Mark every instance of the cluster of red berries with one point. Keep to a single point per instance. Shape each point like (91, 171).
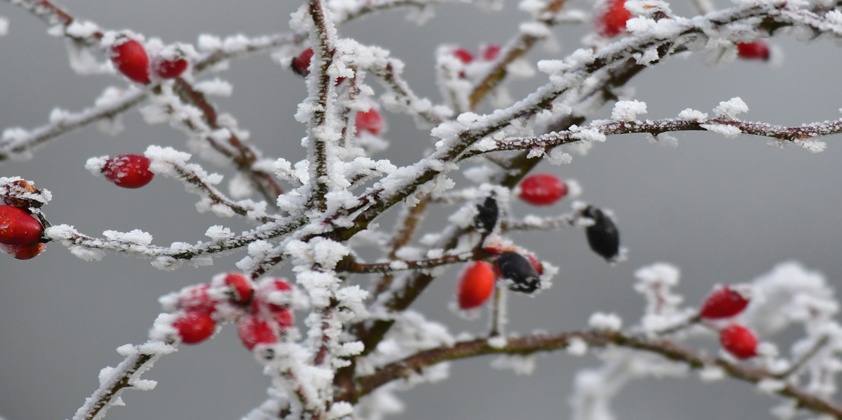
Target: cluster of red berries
(262, 311)
(128, 171)
(726, 303)
(476, 284)
(131, 59)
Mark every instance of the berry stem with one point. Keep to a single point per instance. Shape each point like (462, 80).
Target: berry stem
(806, 358)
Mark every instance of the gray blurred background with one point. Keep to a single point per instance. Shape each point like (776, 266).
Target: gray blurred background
(723, 210)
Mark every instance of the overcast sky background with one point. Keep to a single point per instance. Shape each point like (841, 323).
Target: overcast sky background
(723, 210)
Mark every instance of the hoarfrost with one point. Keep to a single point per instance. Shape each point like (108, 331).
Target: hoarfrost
(606, 322)
(628, 110)
(730, 109)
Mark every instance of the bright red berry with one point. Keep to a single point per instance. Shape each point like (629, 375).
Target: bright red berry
(130, 58)
(242, 287)
(196, 298)
(169, 68)
(253, 331)
(128, 171)
(611, 18)
(490, 52)
(723, 303)
(194, 327)
(261, 303)
(370, 121)
(757, 50)
(284, 318)
(476, 285)
(542, 189)
(739, 341)
(18, 227)
(24, 252)
(301, 64)
(464, 56)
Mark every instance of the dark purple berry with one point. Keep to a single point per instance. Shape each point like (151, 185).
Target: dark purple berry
(603, 236)
(518, 269)
(487, 214)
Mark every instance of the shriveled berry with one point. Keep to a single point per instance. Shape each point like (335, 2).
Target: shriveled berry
(542, 189)
(129, 57)
(20, 194)
(128, 171)
(196, 298)
(757, 50)
(370, 121)
(518, 269)
(18, 227)
(487, 214)
(611, 18)
(603, 236)
(490, 52)
(723, 303)
(169, 68)
(24, 252)
(739, 341)
(475, 285)
(242, 286)
(464, 56)
(194, 327)
(301, 64)
(253, 331)
(262, 304)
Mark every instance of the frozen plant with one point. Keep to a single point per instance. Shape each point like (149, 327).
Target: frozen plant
(341, 334)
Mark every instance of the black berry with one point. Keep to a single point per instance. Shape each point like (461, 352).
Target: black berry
(518, 269)
(603, 236)
(487, 214)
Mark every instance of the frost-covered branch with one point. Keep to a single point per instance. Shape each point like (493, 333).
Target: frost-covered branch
(113, 381)
(543, 343)
(18, 143)
(400, 265)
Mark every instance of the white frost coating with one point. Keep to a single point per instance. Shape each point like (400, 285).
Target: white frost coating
(216, 87)
(4, 26)
(87, 254)
(606, 322)
(577, 347)
(692, 115)
(628, 110)
(727, 131)
(664, 139)
(712, 373)
(535, 29)
(520, 365)
(559, 157)
(730, 109)
(328, 253)
(95, 164)
(163, 158)
(588, 134)
(340, 409)
(136, 236)
(219, 233)
(498, 342)
(770, 386)
(209, 42)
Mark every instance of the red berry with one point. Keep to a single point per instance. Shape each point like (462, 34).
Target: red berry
(739, 341)
(537, 264)
(253, 331)
(301, 64)
(370, 121)
(196, 298)
(284, 318)
(130, 58)
(542, 189)
(757, 50)
(194, 327)
(723, 303)
(242, 286)
(476, 285)
(611, 18)
(18, 227)
(24, 252)
(463, 56)
(490, 52)
(169, 69)
(128, 171)
(261, 305)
